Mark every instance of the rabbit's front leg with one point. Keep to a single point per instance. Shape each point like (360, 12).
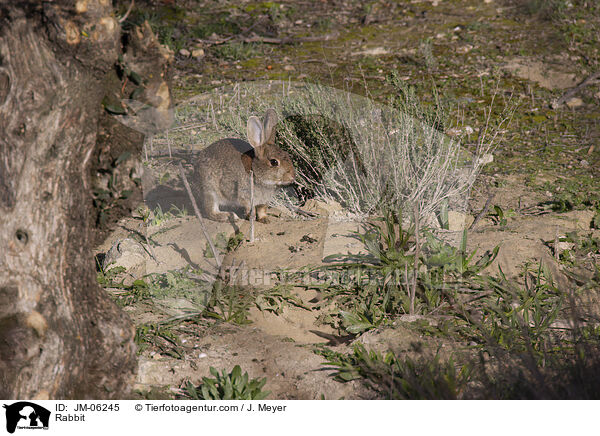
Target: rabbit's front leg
(261, 214)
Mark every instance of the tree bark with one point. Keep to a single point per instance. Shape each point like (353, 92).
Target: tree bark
(60, 334)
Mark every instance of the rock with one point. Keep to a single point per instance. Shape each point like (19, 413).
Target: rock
(375, 51)
(458, 221)
(582, 218)
(322, 207)
(198, 53)
(486, 159)
(464, 49)
(562, 246)
(129, 254)
(310, 238)
(453, 132)
(126, 252)
(541, 73)
(574, 102)
(177, 306)
(184, 52)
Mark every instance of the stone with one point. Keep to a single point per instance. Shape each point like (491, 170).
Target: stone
(322, 207)
(574, 102)
(458, 221)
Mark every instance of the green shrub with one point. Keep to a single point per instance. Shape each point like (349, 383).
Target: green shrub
(228, 386)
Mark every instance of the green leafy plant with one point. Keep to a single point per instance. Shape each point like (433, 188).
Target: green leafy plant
(573, 193)
(129, 294)
(224, 244)
(237, 51)
(443, 216)
(159, 336)
(500, 217)
(396, 378)
(229, 304)
(234, 241)
(517, 317)
(277, 298)
(372, 288)
(444, 260)
(187, 284)
(228, 386)
(596, 220)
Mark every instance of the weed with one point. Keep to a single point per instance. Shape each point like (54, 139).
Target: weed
(237, 51)
(578, 246)
(277, 298)
(234, 241)
(160, 336)
(596, 219)
(426, 52)
(545, 9)
(159, 217)
(220, 25)
(187, 284)
(518, 318)
(227, 386)
(323, 24)
(395, 378)
(367, 156)
(228, 304)
(129, 294)
(573, 193)
(224, 244)
(374, 287)
(499, 217)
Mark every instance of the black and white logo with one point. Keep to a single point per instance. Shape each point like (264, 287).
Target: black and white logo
(26, 415)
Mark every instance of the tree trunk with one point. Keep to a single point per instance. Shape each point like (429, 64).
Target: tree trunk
(60, 334)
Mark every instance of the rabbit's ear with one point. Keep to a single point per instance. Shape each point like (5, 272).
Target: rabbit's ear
(255, 132)
(269, 123)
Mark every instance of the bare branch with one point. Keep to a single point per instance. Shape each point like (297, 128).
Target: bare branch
(197, 212)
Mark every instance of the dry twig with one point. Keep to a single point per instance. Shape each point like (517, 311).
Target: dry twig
(197, 211)
(571, 92)
(252, 209)
(483, 211)
(129, 9)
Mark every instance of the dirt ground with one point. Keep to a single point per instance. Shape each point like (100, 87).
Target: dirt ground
(543, 156)
(280, 346)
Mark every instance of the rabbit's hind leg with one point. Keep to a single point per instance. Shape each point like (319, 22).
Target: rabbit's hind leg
(211, 210)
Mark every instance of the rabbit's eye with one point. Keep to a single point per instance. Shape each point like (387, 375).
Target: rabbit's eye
(274, 162)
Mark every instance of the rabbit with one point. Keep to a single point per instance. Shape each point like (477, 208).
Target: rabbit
(221, 181)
